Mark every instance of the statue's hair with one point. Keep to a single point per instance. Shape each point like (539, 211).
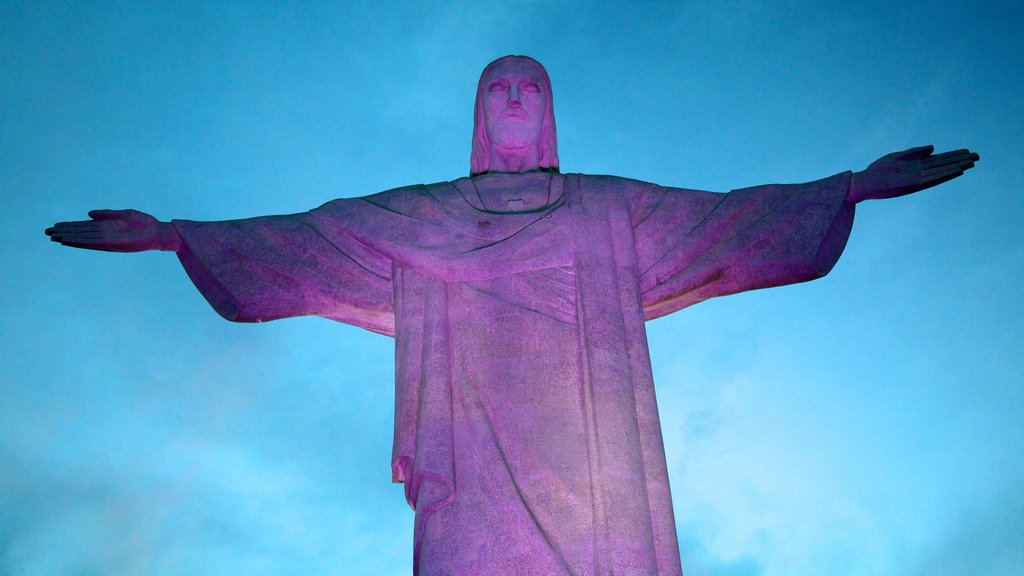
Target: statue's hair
(479, 160)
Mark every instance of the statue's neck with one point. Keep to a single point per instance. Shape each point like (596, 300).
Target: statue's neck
(513, 160)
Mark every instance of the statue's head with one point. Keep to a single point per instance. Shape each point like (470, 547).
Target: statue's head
(514, 110)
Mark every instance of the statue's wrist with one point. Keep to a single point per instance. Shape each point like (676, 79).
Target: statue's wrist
(169, 239)
(853, 195)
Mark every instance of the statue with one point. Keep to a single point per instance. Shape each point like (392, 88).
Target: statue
(526, 428)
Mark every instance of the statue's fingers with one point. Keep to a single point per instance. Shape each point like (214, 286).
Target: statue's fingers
(91, 245)
(952, 166)
(957, 157)
(938, 177)
(945, 157)
(69, 239)
(78, 225)
(57, 228)
(62, 228)
(80, 234)
(941, 171)
(76, 240)
(89, 239)
(60, 225)
(936, 180)
(958, 165)
(965, 153)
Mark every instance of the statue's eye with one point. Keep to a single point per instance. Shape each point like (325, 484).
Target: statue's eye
(498, 87)
(531, 87)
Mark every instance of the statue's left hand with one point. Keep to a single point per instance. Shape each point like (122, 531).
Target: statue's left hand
(909, 171)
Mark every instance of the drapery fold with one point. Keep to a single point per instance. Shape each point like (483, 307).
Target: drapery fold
(574, 279)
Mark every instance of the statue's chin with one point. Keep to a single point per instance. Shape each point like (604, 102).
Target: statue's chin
(514, 135)
(514, 142)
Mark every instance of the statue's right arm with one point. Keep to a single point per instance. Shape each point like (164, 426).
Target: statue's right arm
(259, 269)
(117, 231)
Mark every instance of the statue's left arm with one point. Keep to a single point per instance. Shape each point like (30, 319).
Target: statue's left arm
(693, 245)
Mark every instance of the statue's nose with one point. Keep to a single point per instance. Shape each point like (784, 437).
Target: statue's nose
(513, 97)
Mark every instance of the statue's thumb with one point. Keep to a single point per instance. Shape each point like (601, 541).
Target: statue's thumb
(108, 214)
(919, 152)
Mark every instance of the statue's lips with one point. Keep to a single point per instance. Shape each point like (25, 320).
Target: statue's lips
(514, 113)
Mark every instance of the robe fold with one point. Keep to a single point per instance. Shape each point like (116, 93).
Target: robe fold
(526, 426)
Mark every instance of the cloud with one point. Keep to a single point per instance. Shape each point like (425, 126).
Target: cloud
(699, 560)
(237, 511)
(983, 541)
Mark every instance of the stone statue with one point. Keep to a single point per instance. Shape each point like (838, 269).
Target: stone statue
(526, 427)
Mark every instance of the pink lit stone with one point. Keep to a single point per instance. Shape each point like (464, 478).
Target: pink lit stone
(526, 426)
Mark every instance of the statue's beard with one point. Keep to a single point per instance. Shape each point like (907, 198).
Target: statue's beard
(514, 136)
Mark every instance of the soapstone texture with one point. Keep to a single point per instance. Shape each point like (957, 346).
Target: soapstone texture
(526, 427)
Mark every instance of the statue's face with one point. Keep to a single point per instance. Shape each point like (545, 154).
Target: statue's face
(514, 104)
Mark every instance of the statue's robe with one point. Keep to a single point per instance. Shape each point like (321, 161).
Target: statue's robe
(526, 427)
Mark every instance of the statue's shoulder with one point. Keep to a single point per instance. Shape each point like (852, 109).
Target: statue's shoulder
(605, 181)
(405, 192)
(415, 199)
(613, 186)
(396, 200)
(451, 187)
(412, 193)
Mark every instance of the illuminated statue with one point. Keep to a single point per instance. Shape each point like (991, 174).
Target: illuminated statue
(526, 427)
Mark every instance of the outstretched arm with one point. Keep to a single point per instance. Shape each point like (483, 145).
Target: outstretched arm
(117, 231)
(694, 245)
(907, 172)
(256, 269)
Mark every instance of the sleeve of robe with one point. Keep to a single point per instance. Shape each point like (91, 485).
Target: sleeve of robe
(693, 245)
(260, 269)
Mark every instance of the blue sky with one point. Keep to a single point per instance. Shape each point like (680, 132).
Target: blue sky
(865, 423)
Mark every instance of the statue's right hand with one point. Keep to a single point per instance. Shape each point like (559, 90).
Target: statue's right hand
(117, 231)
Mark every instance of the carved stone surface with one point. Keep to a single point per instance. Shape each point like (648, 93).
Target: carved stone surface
(526, 425)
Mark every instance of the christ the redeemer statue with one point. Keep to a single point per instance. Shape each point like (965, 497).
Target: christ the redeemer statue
(526, 427)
